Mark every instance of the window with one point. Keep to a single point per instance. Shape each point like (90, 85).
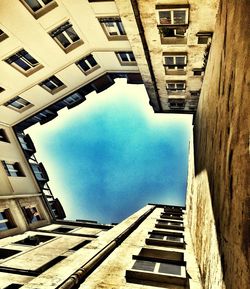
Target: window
(88, 64)
(66, 37)
(1, 89)
(31, 214)
(3, 135)
(3, 35)
(52, 84)
(166, 237)
(6, 221)
(13, 286)
(173, 17)
(18, 103)
(39, 7)
(155, 271)
(62, 230)
(13, 169)
(176, 103)
(195, 93)
(113, 28)
(35, 240)
(198, 71)
(204, 37)
(126, 58)
(6, 253)
(24, 62)
(74, 99)
(175, 64)
(38, 172)
(176, 85)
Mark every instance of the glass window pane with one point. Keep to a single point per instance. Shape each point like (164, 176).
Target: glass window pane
(180, 60)
(131, 55)
(144, 265)
(28, 57)
(120, 28)
(91, 60)
(123, 56)
(157, 236)
(56, 80)
(165, 17)
(169, 60)
(46, 1)
(179, 16)
(22, 64)
(83, 65)
(72, 34)
(33, 4)
(3, 226)
(180, 86)
(63, 40)
(171, 86)
(173, 238)
(170, 269)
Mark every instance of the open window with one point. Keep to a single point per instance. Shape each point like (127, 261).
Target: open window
(113, 28)
(13, 169)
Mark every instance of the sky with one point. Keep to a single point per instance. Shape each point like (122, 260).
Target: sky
(111, 155)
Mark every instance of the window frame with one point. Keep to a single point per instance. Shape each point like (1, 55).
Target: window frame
(32, 67)
(8, 221)
(4, 136)
(115, 19)
(72, 44)
(86, 61)
(37, 215)
(13, 169)
(53, 82)
(176, 83)
(45, 8)
(171, 10)
(129, 62)
(3, 35)
(18, 100)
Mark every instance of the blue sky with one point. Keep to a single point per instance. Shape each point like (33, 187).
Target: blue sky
(112, 155)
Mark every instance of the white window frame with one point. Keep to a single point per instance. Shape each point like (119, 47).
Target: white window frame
(157, 267)
(175, 66)
(113, 28)
(129, 60)
(175, 83)
(172, 15)
(19, 101)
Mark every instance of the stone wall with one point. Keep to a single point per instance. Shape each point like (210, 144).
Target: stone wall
(221, 139)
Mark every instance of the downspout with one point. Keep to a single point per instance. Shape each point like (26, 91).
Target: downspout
(146, 50)
(82, 273)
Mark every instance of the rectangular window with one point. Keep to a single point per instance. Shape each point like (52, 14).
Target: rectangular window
(3, 35)
(38, 172)
(35, 240)
(113, 28)
(175, 64)
(6, 220)
(3, 136)
(176, 86)
(173, 17)
(39, 7)
(52, 84)
(24, 62)
(198, 71)
(13, 169)
(18, 103)
(66, 37)
(166, 237)
(126, 58)
(88, 64)
(195, 93)
(204, 37)
(31, 214)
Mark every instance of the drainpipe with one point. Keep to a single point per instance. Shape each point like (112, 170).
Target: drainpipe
(82, 273)
(146, 51)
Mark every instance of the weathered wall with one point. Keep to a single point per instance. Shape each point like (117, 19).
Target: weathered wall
(221, 144)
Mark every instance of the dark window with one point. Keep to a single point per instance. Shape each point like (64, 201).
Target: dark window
(3, 135)
(170, 269)
(87, 63)
(62, 230)
(32, 215)
(35, 5)
(6, 253)
(3, 35)
(144, 265)
(197, 71)
(18, 103)
(6, 220)
(113, 27)
(65, 35)
(23, 60)
(52, 84)
(34, 240)
(156, 236)
(13, 169)
(1, 89)
(13, 286)
(126, 56)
